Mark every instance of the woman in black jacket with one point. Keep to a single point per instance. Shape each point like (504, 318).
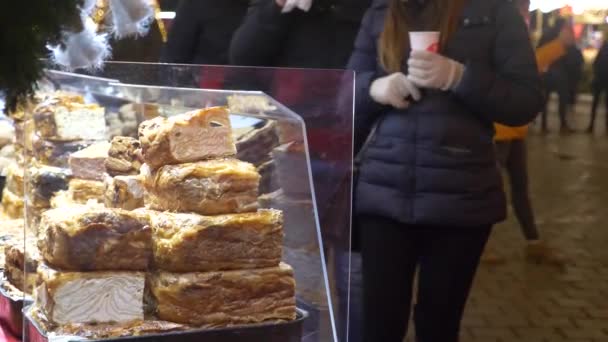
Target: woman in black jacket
(429, 190)
(600, 84)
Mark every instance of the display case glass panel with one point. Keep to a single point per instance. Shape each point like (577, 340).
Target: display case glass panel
(201, 257)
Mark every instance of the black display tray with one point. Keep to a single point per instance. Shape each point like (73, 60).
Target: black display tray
(11, 310)
(275, 332)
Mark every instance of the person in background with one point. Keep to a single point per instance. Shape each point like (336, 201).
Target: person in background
(319, 37)
(429, 188)
(559, 78)
(511, 151)
(600, 84)
(202, 30)
(141, 49)
(574, 62)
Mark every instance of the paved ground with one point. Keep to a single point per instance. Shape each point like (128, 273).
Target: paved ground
(518, 301)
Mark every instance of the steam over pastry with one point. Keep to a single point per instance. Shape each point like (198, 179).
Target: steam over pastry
(225, 297)
(90, 297)
(193, 243)
(198, 135)
(211, 187)
(84, 238)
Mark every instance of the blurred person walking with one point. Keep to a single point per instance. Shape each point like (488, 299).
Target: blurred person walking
(600, 85)
(512, 155)
(574, 62)
(560, 77)
(429, 188)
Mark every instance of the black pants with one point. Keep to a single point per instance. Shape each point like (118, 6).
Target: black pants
(555, 83)
(599, 90)
(447, 259)
(513, 156)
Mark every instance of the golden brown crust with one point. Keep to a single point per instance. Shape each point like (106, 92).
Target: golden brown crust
(83, 190)
(44, 115)
(89, 163)
(125, 192)
(225, 297)
(12, 205)
(82, 238)
(197, 135)
(124, 157)
(22, 260)
(15, 179)
(194, 243)
(211, 187)
(56, 153)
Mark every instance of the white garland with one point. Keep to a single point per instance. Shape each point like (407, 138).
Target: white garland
(89, 49)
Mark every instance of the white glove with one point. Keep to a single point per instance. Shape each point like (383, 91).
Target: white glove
(431, 70)
(394, 90)
(290, 5)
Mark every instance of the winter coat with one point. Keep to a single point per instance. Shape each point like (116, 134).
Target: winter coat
(434, 163)
(545, 56)
(320, 38)
(202, 31)
(600, 66)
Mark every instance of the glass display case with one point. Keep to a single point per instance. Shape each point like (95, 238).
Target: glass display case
(192, 201)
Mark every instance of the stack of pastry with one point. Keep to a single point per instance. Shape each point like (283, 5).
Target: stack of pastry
(95, 261)
(123, 186)
(61, 125)
(217, 257)
(255, 146)
(88, 170)
(12, 195)
(200, 254)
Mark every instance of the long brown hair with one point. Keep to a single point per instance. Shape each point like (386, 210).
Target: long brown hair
(394, 39)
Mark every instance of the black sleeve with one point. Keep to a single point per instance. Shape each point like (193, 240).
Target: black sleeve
(184, 33)
(259, 38)
(364, 62)
(507, 91)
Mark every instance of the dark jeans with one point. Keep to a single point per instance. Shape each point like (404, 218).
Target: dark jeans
(513, 156)
(599, 90)
(447, 259)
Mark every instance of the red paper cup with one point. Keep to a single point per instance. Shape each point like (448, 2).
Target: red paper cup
(425, 41)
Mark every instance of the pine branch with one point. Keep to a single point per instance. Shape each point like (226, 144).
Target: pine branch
(26, 27)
